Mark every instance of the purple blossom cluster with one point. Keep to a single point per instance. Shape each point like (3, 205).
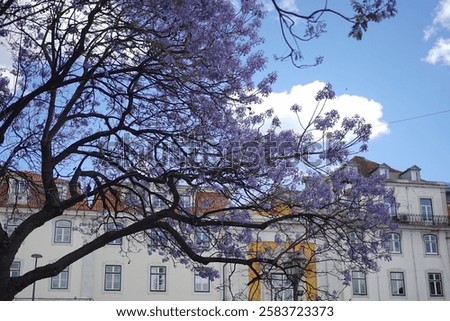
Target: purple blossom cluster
(5, 93)
(326, 93)
(160, 98)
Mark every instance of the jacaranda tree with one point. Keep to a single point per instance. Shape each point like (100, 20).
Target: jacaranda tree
(134, 103)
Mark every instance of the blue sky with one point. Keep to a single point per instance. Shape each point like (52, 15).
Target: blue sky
(400, 70)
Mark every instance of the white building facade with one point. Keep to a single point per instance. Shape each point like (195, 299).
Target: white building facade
(419, 269)
(420, 246)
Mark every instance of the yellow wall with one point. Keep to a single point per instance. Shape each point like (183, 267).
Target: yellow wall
(255, 286)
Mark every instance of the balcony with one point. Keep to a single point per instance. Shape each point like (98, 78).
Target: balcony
(420, 220)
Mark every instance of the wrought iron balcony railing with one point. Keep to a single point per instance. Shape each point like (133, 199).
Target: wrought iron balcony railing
(417, 219)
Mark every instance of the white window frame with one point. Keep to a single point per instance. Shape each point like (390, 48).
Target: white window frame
(384, 171)
(112, 226)
(201, 238)
(63, 234)
(431, 244)
(63, 190)
(14, 270)
(395, 243)
(390, 205)
(12, 224)
(435, 284)
(281, 287)
(359, 283)
(397, 279)
(18, 191)
(201, 284)
(426, 210)
(158, 237)
(185, 202)
(158, 279)
(60, 281)
(113, 278)
(158, 202)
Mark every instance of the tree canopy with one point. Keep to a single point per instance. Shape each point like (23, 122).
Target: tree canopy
(133, 103)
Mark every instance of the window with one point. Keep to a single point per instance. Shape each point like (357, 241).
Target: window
(158, 278)
(391, 207)
(158, 202)
(397, 284)
(63, 229)
(426, 209)
(14, 270)
(18, 191)
(201, 239)
(201, 283)
(158, 237)
(63, 190)
(61, 281)
(359, 283)
(431, 244)
(114, 227)
(185, 202)
(384, 171)
(352, 167)
(113, 276)
(435, 283)
(19, 187)
(282, 289)
(395, 245)
(12, 224)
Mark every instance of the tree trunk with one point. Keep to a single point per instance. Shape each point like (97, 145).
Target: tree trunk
(6, 291)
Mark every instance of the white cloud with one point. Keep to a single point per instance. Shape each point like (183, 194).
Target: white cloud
(304, 96)
(439, 53)
(289, 5)
(441, 19)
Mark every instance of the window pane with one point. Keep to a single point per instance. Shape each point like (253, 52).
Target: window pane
(426, 209)
(431, 244)
(185, 201)
(113, 274)
(359, 283)
(63, 231)
(397, 283)
(201, 284)
(12, 224)
(201, 239)
(389, 203)
(158, 278)
(435, 284)
(14, 270)
(394, 243)
(282, 289)
(61, 281)
(114, 227)
(158, 237)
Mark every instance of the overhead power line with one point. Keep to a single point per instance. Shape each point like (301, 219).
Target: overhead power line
(420, 116)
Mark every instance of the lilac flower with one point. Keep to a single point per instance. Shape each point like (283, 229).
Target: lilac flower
(327, 121)
(164, 102)
(326, 93)
(276, 122)
(296, 108)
